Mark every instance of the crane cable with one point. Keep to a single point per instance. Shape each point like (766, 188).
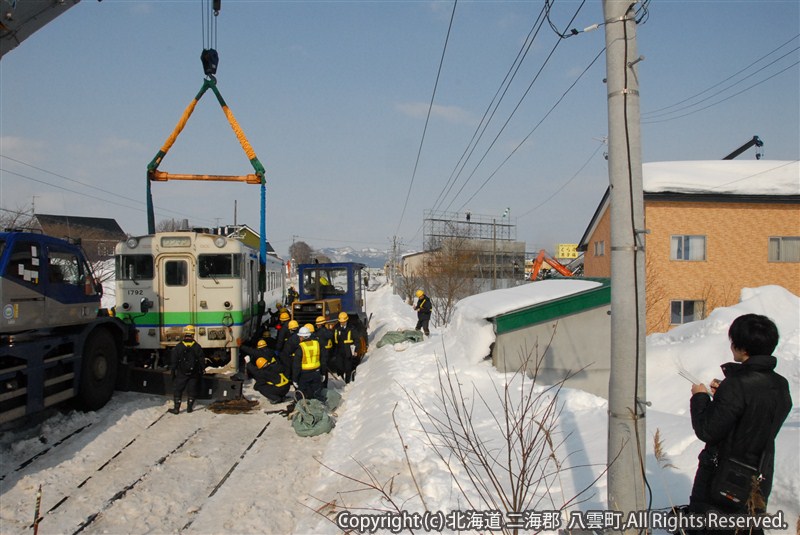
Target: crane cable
(209, 56)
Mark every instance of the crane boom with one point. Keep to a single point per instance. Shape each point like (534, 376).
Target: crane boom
(755, 141)
(21, 19)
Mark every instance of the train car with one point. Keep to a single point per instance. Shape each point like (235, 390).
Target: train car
(168, 280)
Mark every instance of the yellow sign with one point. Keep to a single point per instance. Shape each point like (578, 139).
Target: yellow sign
(567, 250)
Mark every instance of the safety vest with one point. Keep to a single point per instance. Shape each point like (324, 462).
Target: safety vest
(310, 354)
(282, 382)
(349, 339)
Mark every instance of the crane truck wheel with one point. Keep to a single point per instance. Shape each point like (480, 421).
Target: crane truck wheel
(98, 370)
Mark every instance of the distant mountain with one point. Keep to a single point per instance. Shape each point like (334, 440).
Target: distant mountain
(373, 258)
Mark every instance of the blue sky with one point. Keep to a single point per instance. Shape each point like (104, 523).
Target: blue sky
(333, 97)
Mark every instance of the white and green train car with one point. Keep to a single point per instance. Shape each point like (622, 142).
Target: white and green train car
(169, 280)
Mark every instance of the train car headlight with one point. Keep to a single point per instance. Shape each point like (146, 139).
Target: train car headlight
(132, 243)
(220, 241)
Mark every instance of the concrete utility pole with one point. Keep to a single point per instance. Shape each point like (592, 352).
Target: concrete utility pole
(626, 389)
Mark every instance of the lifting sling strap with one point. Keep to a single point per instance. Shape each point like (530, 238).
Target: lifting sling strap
(159, 176)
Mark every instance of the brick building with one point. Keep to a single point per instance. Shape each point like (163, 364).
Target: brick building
(715, 227)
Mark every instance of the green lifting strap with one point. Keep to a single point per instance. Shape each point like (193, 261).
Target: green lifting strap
(153, 174)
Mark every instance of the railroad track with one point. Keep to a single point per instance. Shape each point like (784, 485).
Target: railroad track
(129, 485)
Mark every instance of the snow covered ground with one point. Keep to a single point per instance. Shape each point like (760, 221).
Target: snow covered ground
(133, 468)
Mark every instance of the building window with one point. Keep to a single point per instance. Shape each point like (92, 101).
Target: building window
(685, 311)
(784, 249)
(599, 248)
(692, 248)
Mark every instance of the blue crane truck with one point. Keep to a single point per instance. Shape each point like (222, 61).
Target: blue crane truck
(56, 343)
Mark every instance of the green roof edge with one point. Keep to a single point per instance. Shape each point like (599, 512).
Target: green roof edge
(557, 308)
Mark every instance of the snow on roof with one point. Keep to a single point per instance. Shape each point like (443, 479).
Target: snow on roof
(724, 177)
(498, 302)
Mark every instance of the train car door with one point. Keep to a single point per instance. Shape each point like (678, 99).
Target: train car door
(177, 296)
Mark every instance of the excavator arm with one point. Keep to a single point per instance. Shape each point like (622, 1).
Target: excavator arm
(552, 262)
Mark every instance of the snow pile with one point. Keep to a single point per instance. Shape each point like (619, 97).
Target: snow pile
(282, 483)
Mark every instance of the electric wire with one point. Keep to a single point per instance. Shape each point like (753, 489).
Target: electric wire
(651, 112)
(525, 139)
(724, 99)
(484, 122)
(513, 112)
(427, 118)
(556, 192)
(161, 210)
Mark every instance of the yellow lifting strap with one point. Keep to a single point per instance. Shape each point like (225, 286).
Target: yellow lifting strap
(153, 175)
(237, 130)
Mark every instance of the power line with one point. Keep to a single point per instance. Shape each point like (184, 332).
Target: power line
(513, 112)
(525, 139)
(427, 118)
(724, 99)
(556, 192)
(484, 122)
(162, 210)
(722, 81)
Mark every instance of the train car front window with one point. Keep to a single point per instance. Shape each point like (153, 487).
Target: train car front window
(176, 273)
(134, 267)
(220, 266)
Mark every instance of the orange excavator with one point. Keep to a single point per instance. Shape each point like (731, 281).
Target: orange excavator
(552, 262)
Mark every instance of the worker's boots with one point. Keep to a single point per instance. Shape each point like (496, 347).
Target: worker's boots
(177, 407)
(189, 405)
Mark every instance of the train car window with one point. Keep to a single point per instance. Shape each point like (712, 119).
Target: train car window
(176, 273)
(134, 267)
(220, 266)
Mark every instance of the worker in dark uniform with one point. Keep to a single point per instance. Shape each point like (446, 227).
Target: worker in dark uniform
(324, 333)
(187, 367)
(270, 378)
(289, 345)
(306, 363)
(344, 341)
(283, 330)
(291, 296)
(423, 308)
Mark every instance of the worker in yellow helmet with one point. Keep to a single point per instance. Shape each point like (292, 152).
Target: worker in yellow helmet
(324, 333)
(270, 378)
(290, 344)
(344, 341)
(306, 363)
(187, 367)
(423, 307)
(283, 330)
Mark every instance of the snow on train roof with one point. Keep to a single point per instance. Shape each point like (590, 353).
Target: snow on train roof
(728, 177)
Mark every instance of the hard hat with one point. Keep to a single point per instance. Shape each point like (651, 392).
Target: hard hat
(324, 281)
(261, 362)
(293, 325)
(261, 343)
(420, 293)
(320, 320)
(309, 327)
(343, 317)
(284, 316)
(189, 329)
(303, 332)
